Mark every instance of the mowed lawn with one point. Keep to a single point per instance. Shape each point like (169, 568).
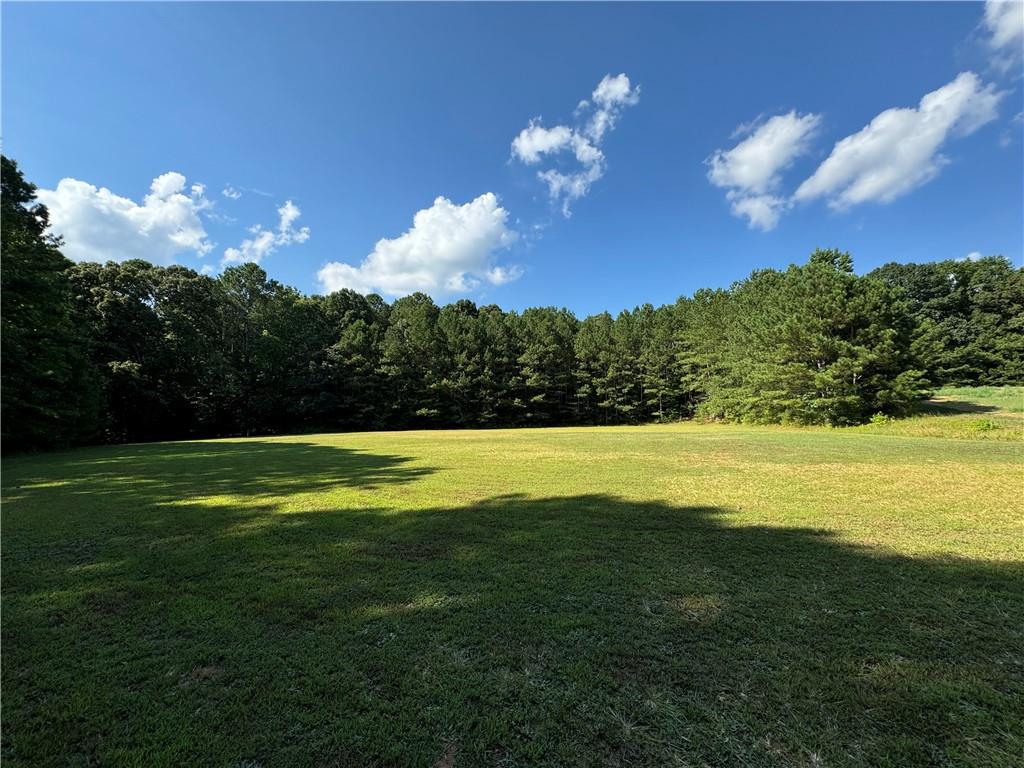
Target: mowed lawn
(693, 595)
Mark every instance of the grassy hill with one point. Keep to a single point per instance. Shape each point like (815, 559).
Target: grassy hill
(665, 595)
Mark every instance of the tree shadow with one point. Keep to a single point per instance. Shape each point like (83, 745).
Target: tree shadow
(170, 472)
(576, 630)
(950, 406)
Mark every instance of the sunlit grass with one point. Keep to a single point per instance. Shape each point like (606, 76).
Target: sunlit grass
(673, 594)
(964, 413)
(1003, 399)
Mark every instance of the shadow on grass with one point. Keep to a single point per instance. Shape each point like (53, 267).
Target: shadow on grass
(170, 472)
(577, 630)
(945, 406)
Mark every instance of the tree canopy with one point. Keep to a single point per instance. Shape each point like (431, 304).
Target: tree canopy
(132, 352)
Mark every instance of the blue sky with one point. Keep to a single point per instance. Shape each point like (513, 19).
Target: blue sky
(364, 115)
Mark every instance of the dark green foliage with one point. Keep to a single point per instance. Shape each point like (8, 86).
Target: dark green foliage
(345, 385)
(413, 361)
(970, 316)
(135, 352)
(500, 384)
(814, 345)
(547, 361)
(48, 396)
(125, 342)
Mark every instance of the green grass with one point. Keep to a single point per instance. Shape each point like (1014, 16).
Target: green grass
(1008, 399)
(971, 413)
(693, 595)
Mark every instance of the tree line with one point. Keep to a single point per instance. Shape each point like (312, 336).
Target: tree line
(132, 352)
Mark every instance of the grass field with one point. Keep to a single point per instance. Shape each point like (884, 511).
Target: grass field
(979, 413)
(692, 595)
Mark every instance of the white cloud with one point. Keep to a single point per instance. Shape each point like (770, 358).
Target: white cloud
(98, 225)
(748, 127)
(449, 249)
(973, 256)
(761, 211)
(230, 192)
(502, 275)
(535, 142)
(1004, 21)
(289, 212)
(898, 150)
(755, 163)
(611, 96)
(253, 249)
(751, 171)
(167, 184)
(571, 186)
(265, 241)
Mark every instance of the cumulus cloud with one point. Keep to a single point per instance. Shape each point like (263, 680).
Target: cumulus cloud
(898, 150)
(230, 192)
(98, 225)
(751, 171)
(535, 140)
(265, 241)
(1004, 22)
(595, 117)
(450, 248)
